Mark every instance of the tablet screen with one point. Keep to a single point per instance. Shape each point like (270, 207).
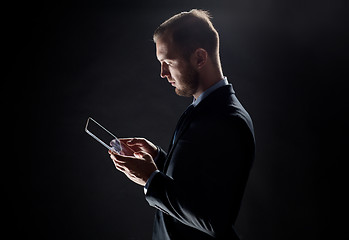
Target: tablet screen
(102, 135)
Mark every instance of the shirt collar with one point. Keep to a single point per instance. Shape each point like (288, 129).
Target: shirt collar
(208, 91)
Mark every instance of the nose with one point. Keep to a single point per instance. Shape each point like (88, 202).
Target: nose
(164, 70)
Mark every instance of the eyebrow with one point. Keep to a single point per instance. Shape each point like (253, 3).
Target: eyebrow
(160, 56)
(162, 59)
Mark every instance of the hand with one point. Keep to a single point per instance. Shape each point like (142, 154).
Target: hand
(133, 145)
(137, 168)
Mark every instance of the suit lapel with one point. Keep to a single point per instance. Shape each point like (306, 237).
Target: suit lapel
(213, 98)
(181, 129)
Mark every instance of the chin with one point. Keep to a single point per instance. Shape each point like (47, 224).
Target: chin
(183, 93)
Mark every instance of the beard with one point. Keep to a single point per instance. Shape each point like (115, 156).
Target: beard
(189, 84)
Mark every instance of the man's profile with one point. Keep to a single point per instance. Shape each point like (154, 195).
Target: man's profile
(197, 185)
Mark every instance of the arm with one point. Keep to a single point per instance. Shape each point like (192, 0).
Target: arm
(204, 183)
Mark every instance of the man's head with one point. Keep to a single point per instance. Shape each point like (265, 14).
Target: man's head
(190, 31)
(185, 45)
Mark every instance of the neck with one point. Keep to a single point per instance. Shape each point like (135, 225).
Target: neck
(207, 79)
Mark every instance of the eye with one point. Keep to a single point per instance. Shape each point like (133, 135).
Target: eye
(169, 63)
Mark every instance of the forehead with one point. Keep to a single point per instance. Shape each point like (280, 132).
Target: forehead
(165, 49)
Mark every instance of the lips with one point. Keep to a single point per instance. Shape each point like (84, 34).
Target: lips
(172, 82)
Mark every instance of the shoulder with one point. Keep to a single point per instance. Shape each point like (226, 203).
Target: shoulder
(221, 123)
(222, 109)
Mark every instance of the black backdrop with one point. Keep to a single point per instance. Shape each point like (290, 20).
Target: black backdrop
(70, 60)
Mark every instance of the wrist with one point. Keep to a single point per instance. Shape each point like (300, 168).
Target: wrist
(146, 186)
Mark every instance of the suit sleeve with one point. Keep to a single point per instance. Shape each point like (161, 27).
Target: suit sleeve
(208, 172)
(160, 158)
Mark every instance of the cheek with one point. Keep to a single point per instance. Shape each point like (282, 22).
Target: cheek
(175, 74)
(178, 72)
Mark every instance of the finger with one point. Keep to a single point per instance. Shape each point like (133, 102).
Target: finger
(126, 150)
(111, 151)
(118, 158)
(125, 139)
(141, 154)
(136, 141)
(114, 142)
(123, 158)
(119, 167)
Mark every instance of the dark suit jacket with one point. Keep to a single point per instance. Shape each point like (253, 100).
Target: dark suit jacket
(200, 185)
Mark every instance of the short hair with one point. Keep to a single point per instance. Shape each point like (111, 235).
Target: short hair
(190, 31)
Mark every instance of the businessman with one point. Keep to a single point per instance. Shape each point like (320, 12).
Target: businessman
(197, 186)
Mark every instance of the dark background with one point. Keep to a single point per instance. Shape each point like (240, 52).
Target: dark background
(66, 61)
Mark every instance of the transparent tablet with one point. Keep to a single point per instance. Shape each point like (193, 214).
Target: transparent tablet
(102, 135)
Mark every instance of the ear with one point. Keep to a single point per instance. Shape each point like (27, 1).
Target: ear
(199, 58)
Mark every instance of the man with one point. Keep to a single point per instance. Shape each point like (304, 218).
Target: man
(197, 186)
